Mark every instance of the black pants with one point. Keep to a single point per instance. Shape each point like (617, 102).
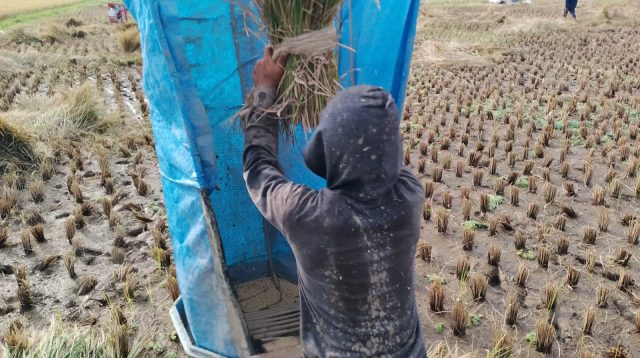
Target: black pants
(570, 11)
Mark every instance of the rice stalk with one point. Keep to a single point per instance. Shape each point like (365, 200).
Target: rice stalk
(459, 320)
(309, 81)
(436, 296)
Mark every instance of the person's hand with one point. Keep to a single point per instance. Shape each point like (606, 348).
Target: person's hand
(268, 71)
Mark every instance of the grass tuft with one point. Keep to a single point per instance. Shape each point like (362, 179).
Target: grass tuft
(436, 296)
(16, 145)
(459, 319)
(128, 39)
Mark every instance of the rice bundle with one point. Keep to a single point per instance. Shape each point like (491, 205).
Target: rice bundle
(311, 74)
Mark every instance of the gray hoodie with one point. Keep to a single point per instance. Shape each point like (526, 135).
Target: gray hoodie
(354, 242)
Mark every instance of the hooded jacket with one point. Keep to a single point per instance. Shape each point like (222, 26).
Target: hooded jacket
(355, 241)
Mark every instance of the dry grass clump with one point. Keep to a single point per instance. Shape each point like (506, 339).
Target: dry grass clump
(493, 256)
(562, 247)
(478, 286)
(76, 191)
(515, 195)
(78, 218)
(590, 261)
(25, 239)
(519, 240)
(616, 352)
(70, 228)
(546, 335)
(16, 145)
(460, 165)
(174, 290)
(633, 234)
(47, 261)
(602, 295)
(533, 184)
(69, 115)
(623, 257)
(48, 170)
(72, 22)
(573, 276)
(549, 192)
(106, 205)
(4, 236)
(87, 208)
(568, 211)
(69, 264)
(589, 235)
(31, 216)
(468, 236)
(462, 268)
(8, 200)
(603, 220)
(569, 189)
(24, 290)
(503, 347)
(459, 319)
(478, 174)
(442, 219)
(131, 284)
(598, 195)
(484, 202)
(522, 275)
(499, 185)
(624, 280)
(543, 256)
(162, 257)
(423, 250)
(589, 319)
(123, 272)
(36, 189)
(561, 222)
(511, 313)
(21, 36)
(119, 234)
(87, 284)
(60, 339)
(437, 174)
(447, 199)
(37, 232)
(429, 187)
(533, 209)
(549, 296)
(466, 209)
(426, 211)
(436, 296)
(588, 174)
(117, 255)
(16, 339)
(128, 38)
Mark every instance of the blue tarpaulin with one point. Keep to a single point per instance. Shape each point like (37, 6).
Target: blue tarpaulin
(198, 57)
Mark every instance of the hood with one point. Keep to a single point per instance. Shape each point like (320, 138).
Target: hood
(357, 146)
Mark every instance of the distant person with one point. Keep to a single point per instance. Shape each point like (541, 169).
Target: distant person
(111, 14)
(570, 7)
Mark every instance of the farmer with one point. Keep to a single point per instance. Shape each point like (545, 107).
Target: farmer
(570, 7)
(355, 241)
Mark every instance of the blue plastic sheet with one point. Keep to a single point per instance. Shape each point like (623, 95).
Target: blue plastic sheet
(198, 57)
